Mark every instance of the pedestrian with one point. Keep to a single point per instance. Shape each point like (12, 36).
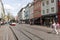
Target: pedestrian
(0, 23)
(58, 26)
(54, 25)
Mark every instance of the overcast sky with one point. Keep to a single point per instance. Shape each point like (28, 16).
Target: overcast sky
(13, 6)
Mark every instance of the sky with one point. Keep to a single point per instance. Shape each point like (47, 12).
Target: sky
(13, 6)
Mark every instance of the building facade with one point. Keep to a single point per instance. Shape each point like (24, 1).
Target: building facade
(37, 11)
(58, 11)
(23, 14)
(2, 11)
(20, 16)
(27, 13)
(49, 11)
(31, 13)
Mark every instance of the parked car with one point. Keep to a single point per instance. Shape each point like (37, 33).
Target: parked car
(13, 24)
(2, 23)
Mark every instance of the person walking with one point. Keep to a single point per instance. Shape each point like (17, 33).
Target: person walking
(58, 26)
(0, 24)
(54, 25)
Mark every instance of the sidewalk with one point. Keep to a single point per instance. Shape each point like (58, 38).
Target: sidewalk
(1, 33)
(6, 33)
(44, 27)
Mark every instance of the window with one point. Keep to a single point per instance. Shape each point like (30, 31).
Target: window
(43, 11)
(52, 1)
(52, 9)
(47, 2)
(43, 4)
(47, 10)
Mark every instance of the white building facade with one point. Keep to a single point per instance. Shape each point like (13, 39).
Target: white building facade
(23, 14)
(49, 11)
(48, 7)
(0, 9)
(27, 13)
(19, 16)
(31, 11)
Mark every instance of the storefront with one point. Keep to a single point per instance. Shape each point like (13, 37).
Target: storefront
(31, 21)
(37, 21)
(48, 18)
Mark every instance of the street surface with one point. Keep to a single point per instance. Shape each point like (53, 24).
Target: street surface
(6, 33)
(27, 32)
(34, 32)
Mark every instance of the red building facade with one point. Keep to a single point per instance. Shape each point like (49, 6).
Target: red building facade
(37, 8)
(37, 11)
(59, 11)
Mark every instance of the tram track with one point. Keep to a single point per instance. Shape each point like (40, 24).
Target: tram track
(16, 38)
